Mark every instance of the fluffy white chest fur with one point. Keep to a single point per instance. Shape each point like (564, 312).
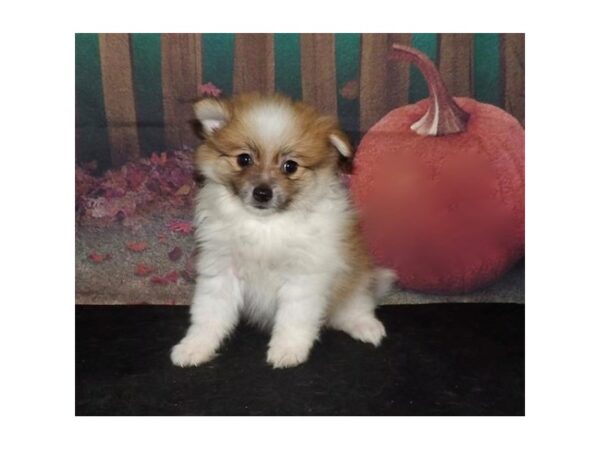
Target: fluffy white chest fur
(263, 254)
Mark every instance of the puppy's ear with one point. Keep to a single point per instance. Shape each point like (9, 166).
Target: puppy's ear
(341, 143)
(212, 114)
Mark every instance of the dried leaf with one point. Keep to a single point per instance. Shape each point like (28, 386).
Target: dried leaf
(135, 176)
(181, 226)
(142, 270)
(137, 246)
(209, 90)
(184, 190)
(170, 277)
(97, 258)
(158, 160)
(175, 254)
(350, 90)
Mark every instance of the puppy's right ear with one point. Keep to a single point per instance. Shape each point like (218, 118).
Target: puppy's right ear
(212, 114)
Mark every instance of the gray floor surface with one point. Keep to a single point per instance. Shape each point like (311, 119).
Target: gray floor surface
(113, 281)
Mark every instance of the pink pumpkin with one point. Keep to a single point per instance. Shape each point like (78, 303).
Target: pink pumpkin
(440, 188)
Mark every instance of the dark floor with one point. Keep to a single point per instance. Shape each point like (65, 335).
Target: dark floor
(443, 359)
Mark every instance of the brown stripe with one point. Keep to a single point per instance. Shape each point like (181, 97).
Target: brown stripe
(181, 74)
(383, 83)
(318, 72)
(513, 49)
(117, 82)
(254, 67)
(456, 63)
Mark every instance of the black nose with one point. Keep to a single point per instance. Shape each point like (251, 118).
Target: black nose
(262, 193)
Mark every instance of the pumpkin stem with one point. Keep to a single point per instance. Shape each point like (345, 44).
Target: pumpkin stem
(443, 116)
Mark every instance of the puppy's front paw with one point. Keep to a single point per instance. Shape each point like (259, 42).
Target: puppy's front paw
(191, 352)
(366, 329)
(286, 353)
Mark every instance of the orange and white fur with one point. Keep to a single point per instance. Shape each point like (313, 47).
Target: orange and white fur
(279, 240)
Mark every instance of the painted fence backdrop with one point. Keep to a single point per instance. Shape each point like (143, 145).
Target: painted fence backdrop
(134, 91)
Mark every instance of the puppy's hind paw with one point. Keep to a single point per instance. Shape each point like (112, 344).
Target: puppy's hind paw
(191, 352)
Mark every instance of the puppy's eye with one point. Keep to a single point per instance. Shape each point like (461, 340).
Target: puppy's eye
(290, 167)
(244, 160)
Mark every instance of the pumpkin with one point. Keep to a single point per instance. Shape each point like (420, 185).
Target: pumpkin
(439, 186)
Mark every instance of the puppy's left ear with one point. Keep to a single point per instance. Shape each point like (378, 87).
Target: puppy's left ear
(341, 143)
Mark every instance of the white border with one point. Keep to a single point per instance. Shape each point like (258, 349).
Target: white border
(562, 224)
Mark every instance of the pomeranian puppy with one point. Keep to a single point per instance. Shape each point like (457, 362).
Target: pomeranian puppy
(279, 240)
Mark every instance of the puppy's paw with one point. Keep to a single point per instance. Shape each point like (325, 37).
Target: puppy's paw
(366, 329)
(191, 352)
(287, 353)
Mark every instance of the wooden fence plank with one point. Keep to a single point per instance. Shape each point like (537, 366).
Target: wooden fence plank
(456, 63)
(117, 81)
(254, 67)
(181, 74)
(383, 83)
(513, 49)
(318, 72)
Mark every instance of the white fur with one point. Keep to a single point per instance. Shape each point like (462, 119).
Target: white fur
(273, 123)
(275, 268)
(276, 271)
(210, 125)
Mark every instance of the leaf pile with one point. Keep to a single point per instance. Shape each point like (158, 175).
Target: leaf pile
(161, 183)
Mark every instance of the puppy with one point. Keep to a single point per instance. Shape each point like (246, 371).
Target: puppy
(279, 240)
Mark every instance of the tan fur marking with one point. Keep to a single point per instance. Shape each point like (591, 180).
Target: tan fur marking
(307, 143)
(360, 270)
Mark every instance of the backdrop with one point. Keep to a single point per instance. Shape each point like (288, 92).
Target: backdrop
(134, 91)
(135, 132)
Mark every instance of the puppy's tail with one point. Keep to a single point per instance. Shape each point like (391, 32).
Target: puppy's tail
(382, 281)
